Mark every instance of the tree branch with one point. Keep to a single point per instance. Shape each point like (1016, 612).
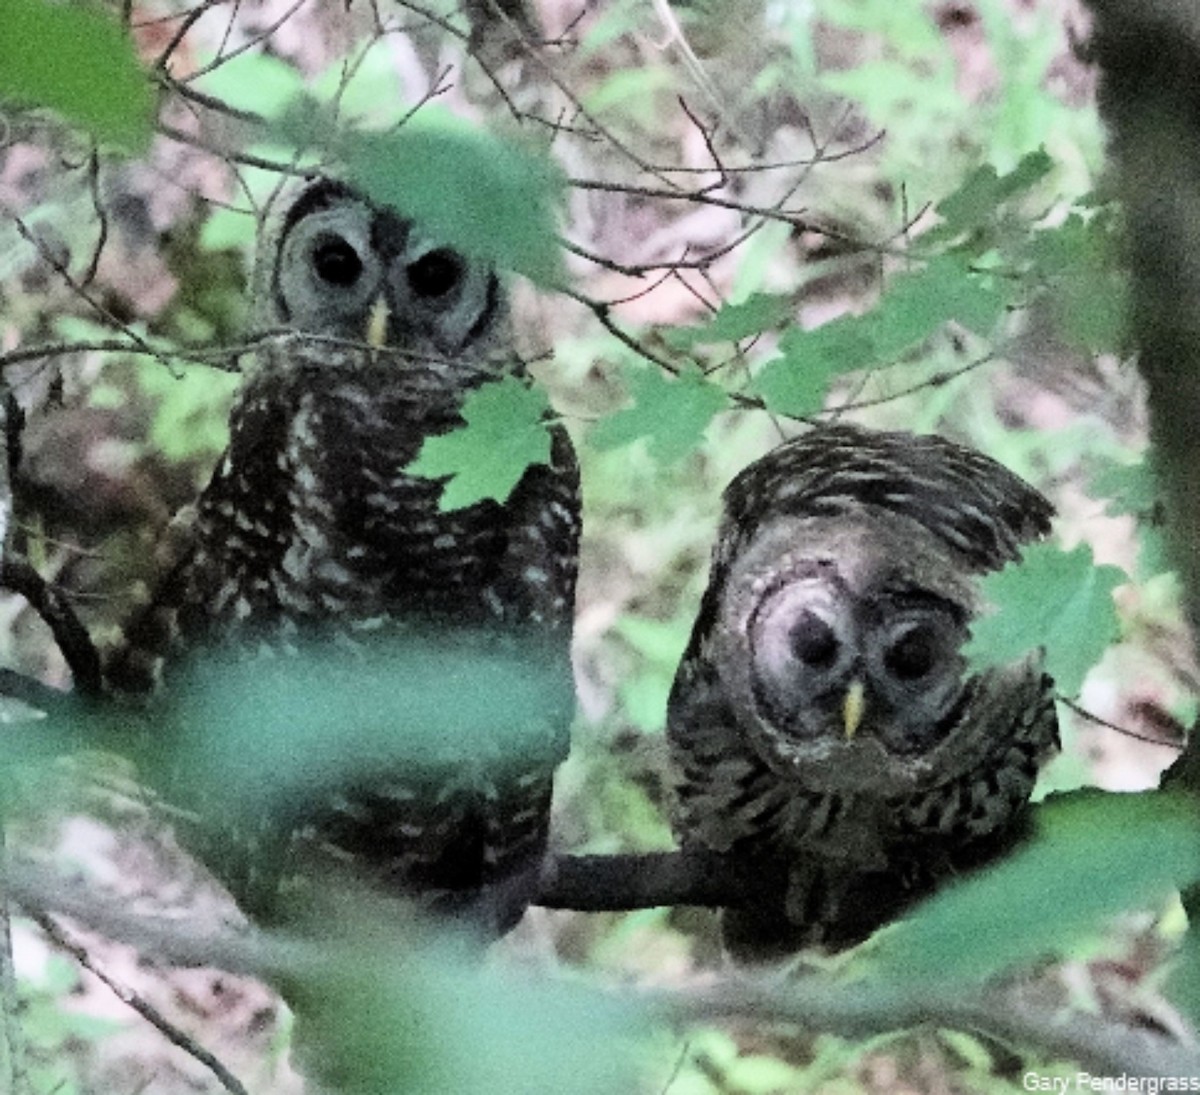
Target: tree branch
(1149, 54)
(69, 633)
(816, 1002)
(609, 883)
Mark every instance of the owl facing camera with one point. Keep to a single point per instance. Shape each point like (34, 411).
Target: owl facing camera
(823, 723)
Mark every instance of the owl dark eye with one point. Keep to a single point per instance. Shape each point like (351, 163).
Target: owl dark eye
(435, 274)
(913, 655)
(336, 262)
(814, 642)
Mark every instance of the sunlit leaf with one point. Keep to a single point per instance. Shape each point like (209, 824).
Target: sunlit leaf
(505, 433)
(1092, 855)
(78, 62)
(669, 414)
(1052, 598)
(255, 81)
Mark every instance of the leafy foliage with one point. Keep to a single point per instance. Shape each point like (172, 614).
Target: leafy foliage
(914, 306)
(1092, 855)
(488, 197)
(79, 63)
(1051, 598)
(385, 1012)
(670, 415)
(504, 432)
(969, 232)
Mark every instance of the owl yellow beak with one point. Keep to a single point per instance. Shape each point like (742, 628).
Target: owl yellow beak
(853, 707)
(377, 323)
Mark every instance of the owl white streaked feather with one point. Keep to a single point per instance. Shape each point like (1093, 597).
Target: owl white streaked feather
(311, 531)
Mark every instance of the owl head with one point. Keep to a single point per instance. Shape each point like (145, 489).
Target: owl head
(332, 263)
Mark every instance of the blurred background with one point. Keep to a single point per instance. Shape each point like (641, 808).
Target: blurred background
(717, 149)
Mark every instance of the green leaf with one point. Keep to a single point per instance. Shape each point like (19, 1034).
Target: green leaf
(733, 322)
(671, 415)
(983, 191)
(388, 1011)
(1052, 598)
(259, 82)
(78, 62)
(505, 432)
(488, 197)
(1092, 855)
(253, 734)
(1129, 488)
(796, 382)
(915, 305)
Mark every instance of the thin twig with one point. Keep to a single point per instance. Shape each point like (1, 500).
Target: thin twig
(72, 637)
(10, 1005)
(1084, 713)
(140, 1004)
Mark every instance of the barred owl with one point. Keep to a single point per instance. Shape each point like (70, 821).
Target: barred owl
(310, 530)
(822, 724)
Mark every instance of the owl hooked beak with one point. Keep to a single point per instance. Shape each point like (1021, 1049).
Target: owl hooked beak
(377, 323)
(853, 707)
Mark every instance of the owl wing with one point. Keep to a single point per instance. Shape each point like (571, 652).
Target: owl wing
(210, 553)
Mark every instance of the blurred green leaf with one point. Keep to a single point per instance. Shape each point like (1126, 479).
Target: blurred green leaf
(1051, 598)
(253, 732)
(191, 416)
(78, 62)
(488, 197)
(670, 414)
(660, 643)
(1092, 855)
(388, 1013)
(256, 82)
(1129, 488)
(505, 433)
(1184, 979)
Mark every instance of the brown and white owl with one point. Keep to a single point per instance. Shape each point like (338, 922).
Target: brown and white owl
(311, 534)
(823, 725)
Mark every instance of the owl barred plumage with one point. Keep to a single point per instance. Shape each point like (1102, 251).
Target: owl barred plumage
(821, 722)
(310, 529)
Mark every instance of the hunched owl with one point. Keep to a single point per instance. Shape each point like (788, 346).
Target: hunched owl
(310, 530)
(822, 726)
